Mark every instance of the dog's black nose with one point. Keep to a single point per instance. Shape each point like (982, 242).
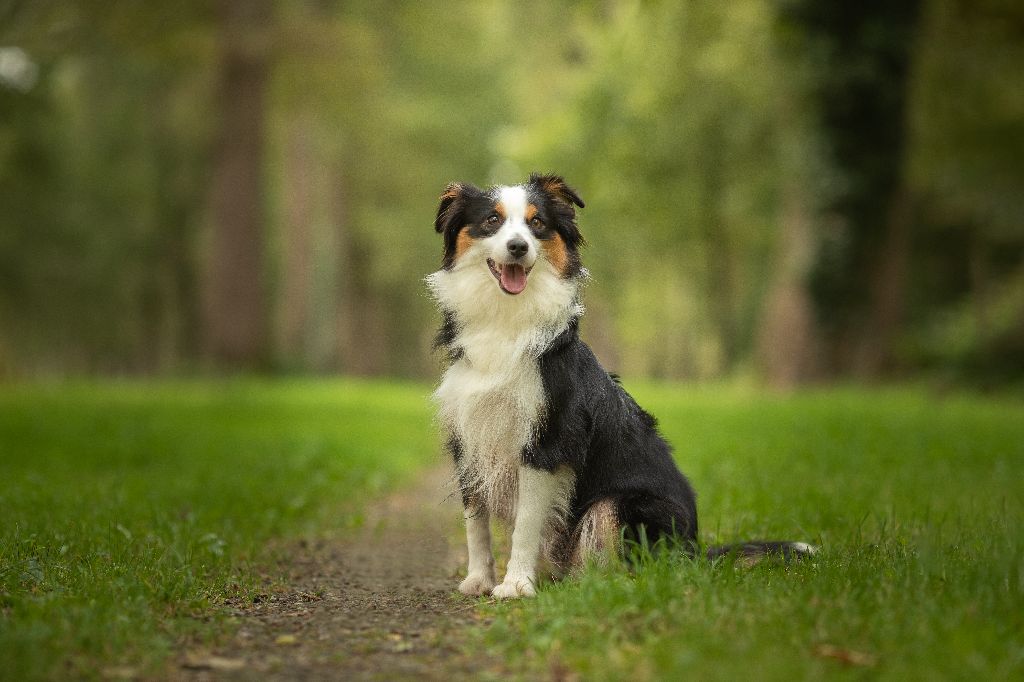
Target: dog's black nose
(518, 247)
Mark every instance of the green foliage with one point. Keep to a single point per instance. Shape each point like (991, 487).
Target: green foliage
(915, 502)
(390, 122)
(129, 511)
(968, 147)
(692, 130)
(102, 164)
(966, 166)
(667, 117)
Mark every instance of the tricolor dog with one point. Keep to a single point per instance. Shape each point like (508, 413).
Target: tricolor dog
(542, 436)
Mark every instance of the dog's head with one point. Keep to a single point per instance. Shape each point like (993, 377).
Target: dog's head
(511, 230)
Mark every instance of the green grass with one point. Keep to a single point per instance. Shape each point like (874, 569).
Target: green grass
(128, 511)
(918, 505)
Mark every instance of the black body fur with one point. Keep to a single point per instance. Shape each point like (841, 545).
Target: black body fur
(593, 426)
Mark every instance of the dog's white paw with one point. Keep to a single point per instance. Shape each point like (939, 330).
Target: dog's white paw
(513, 588)
(477, 584)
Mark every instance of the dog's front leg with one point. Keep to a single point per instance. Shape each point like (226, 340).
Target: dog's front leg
(538, 493)
(480, 578)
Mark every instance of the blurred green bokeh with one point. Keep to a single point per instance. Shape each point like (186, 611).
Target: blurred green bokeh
(792, 189)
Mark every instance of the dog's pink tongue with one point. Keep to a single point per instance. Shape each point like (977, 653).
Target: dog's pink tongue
(513, 278)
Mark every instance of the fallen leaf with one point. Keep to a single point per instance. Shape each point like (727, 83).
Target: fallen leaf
(847, 656)
(286, 640)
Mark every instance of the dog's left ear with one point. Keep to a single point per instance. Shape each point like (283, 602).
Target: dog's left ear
(564, 202)
(555, 186)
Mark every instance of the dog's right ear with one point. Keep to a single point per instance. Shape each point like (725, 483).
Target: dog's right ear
(453, 202)
(451, 216)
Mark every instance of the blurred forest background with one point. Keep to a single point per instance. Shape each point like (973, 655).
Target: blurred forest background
(797, 190)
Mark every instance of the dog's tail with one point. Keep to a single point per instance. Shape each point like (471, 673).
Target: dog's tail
(755, 550)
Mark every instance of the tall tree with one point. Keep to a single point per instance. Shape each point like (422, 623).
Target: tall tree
(236, 320)
(864, 54)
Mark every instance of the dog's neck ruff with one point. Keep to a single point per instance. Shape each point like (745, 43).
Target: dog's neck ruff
(496, 331)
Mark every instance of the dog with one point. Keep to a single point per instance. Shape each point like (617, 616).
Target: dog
(541, 435)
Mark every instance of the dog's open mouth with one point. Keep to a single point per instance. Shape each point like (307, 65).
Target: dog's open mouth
(511, 276)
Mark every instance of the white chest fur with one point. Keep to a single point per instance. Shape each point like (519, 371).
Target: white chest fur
(492, 398)
(494, 410)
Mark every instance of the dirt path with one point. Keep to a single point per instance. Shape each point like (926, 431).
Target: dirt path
(379, 604)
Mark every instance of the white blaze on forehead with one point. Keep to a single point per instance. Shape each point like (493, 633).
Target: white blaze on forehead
(514, 201)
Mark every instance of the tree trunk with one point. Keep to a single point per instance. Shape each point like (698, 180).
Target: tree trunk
(346, 313)
(236, 316)
(298, 243)
(863, 63)
(720, 261)
(980, 286)
(887, 294)
(787, 340)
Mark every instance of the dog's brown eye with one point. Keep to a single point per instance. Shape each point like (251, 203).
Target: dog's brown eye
(536, 223)
(493, 219)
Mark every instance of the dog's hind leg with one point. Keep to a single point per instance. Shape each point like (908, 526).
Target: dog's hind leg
(480, 577)
(598, 535)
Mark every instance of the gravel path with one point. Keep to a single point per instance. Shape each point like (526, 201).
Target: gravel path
(379, 604)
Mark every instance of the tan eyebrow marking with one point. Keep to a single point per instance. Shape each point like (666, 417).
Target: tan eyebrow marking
(531, 211)
(499, 208)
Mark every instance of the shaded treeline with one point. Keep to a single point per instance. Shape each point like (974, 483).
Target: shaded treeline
(800, 189)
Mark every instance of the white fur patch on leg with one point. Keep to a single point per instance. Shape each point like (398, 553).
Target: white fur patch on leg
(542, 497)
(804, 548)
(480, 577)
(597, 535)
(512, 588)
(474, 585)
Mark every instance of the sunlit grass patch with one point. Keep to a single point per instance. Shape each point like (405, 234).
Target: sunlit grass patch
(918, 506)
(127, 509)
